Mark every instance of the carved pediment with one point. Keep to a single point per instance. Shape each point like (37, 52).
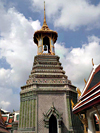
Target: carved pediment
(50, 112)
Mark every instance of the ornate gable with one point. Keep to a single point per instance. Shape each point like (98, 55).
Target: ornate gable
(91, 92)
(93, 81)
(50, 112)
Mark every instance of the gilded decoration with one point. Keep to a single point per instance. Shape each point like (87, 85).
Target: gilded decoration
(39, 36)
(79, 92)
(83, 119)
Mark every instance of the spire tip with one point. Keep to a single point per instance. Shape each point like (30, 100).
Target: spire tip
(44, 14)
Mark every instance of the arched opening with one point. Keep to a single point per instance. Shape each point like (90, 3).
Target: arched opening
(46, 44)
(52, 124)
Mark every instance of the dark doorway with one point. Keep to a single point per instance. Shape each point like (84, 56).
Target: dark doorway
(52, 124)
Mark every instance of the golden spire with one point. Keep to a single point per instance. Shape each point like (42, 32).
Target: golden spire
(45, 26)
(44, 23)
(44, 29)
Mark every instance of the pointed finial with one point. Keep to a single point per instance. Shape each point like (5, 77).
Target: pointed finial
(52, 104)
(92, 62)
(44, 15)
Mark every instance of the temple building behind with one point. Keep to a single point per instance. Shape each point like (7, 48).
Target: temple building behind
(8, 121)
(88, 107)
(45, 100)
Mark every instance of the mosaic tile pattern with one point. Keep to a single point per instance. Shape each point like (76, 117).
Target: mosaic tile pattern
(48, 81)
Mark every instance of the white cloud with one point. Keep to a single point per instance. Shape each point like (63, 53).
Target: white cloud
(9, 99)
(71, 14)
(17, 47)
(3, 103)
(77, 62)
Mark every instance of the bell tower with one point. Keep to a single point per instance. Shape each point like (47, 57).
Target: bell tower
(45, 100)
(45, 39)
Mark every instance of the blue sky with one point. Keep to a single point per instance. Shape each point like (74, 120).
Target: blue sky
(78, 25)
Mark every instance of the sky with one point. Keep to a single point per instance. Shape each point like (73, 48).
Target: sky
(78, 25)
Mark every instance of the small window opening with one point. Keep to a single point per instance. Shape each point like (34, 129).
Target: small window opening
(46, 44)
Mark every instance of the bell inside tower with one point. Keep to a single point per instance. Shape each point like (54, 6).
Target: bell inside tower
(46, 44)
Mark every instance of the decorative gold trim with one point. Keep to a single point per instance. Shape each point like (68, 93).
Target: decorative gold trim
(53, 53)
(40, 46)
(52, 46)
(83, 119)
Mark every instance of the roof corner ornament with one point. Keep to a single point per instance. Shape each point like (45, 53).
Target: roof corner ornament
(79, 92)
(92, 62)
(72, 103)
(85, 81)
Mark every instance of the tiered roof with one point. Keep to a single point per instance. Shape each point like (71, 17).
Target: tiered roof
(47, 73)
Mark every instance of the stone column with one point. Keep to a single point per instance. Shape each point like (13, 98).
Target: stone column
(91, 127)
(20, 117)
(29, 111)
(32, 111)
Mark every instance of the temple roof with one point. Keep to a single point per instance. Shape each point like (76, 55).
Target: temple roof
(5, 111)
(93, 80)
(91, 92)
